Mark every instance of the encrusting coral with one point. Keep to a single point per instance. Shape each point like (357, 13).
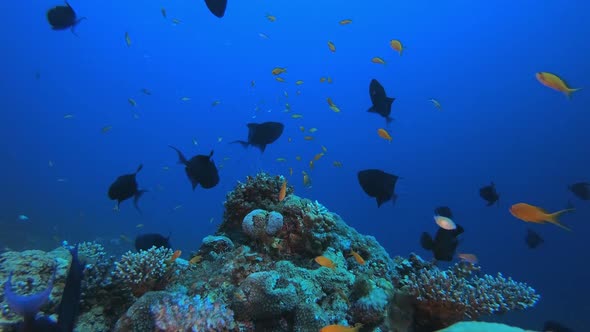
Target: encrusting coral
(260, 271)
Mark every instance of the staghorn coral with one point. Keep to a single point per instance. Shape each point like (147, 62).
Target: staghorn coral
(144, 271)
(446, 297)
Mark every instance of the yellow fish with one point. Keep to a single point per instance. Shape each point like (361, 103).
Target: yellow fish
(318, 156)
(296, 116)
(215, 103)
(308, 138)
(290, 171)
(299, 82)
(278, 70)
(378, 60)
(271, 17)
(306, 179)
(554, 82)
(435, 103)
(127, 39)
(331, 46)
(345, 21)
(298, 158)
(176, 21)
(337, 163)
(281, 160)
(313, 130)
(396, 45)
(280, 79)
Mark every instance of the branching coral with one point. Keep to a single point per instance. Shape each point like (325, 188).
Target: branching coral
(144, 271)
(445, 297)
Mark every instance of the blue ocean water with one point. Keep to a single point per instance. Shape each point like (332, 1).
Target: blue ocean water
(478, 59)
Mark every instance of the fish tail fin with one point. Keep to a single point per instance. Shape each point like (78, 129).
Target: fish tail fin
(426, 241)
(181, 158)
(554, 218)
(137, 197)
(569, 92)
(243, 143)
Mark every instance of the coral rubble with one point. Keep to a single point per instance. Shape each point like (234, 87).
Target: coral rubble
(259, 273)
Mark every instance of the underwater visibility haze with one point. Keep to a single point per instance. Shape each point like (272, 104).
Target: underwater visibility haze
(453, 130)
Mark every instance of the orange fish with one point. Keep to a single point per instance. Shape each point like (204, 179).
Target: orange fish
(357, 257)
(325, 262)
(341, 328)
(396, 45)
(470, 258)
(384, 134)
(554, 82)
(175, 255)
(531, 213)
(283, 191)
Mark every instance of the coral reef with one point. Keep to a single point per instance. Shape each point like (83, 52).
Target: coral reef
(260, 272)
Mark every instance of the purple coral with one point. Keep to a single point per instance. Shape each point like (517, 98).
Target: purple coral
(182, 313)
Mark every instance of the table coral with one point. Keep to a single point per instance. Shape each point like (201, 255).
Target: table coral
(446, 297)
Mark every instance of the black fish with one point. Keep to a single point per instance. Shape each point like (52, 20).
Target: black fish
(444, 211)
(378, 184)
(200, 169)
(63, 17)
(125, 187)
(489, 194)
(444, 244)
(216, 7)
(381, 103)
(533, 239)
(262, 134)
(146, 241)
(555, 327)
(581, 190)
